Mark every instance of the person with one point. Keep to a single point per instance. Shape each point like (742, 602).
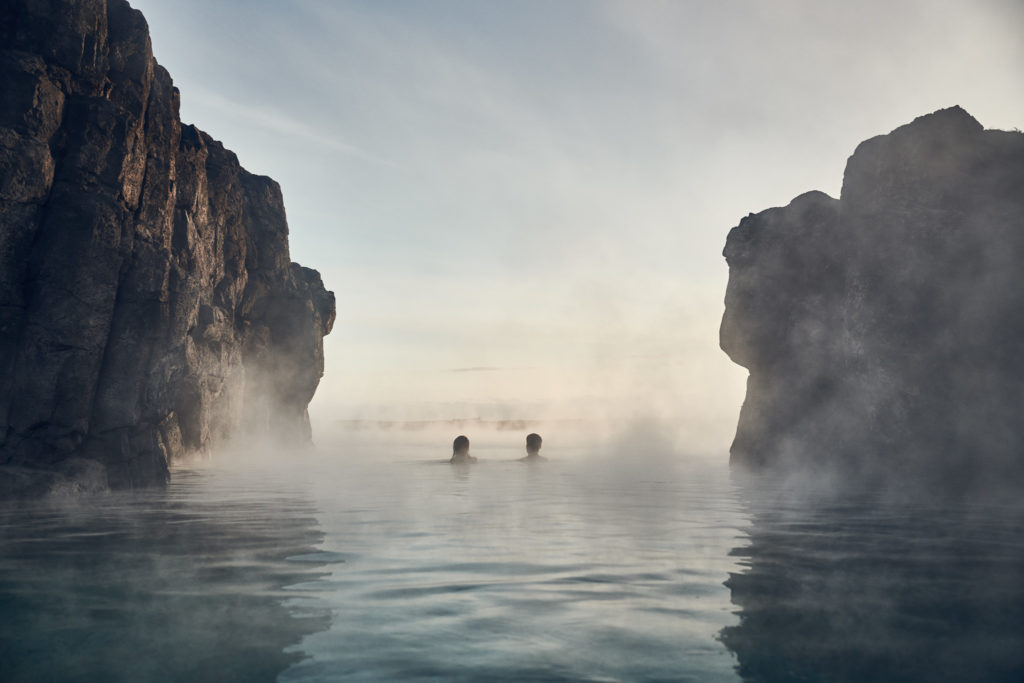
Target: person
(533, 443)
(460, 451)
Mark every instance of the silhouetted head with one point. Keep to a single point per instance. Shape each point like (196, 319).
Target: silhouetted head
(533, 442)
(460, 445)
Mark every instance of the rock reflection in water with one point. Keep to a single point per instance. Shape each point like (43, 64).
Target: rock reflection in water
(879, 592)
(187, 584)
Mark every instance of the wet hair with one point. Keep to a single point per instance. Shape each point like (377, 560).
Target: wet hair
(461, 443)
(533, 442)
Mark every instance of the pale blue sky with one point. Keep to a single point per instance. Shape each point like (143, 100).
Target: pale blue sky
(543, 189)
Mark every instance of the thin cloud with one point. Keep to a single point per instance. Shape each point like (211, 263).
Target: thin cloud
(277, 122)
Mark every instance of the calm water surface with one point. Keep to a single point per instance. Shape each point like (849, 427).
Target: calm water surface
(377, 562)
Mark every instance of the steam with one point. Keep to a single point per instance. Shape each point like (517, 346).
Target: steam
(878, 328)
(556, 212)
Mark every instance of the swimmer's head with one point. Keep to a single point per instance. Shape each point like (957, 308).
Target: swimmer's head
(533, 442)
(460, 445)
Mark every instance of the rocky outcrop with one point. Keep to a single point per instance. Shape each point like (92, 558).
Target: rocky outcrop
(148, 304)
(883, 330)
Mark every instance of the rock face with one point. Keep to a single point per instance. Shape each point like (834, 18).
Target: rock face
(148, 304)
(884, 330)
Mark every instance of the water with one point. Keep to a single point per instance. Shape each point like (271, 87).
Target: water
(183, 585)
(374, 561)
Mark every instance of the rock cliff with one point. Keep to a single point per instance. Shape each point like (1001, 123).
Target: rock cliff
(883, 330)
(148, 304)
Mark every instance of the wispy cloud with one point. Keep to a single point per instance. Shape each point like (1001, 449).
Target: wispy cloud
(280, 123)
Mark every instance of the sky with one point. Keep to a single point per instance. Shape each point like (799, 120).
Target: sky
(521, 205)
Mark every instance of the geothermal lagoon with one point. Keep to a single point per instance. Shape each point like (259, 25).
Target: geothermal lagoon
(373, 559)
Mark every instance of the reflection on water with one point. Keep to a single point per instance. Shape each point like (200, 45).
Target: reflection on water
(177, 585)
(878, 591)
(378, 563)
(555, 571)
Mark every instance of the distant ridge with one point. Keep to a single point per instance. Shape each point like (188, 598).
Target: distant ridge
(458, 424)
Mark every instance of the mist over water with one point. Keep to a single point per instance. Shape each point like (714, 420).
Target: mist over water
(187, 583)
(522, 206)
(623, 557)
(570, 569)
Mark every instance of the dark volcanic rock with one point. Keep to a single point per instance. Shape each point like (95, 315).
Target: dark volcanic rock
(148, 304)
(883, 331)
